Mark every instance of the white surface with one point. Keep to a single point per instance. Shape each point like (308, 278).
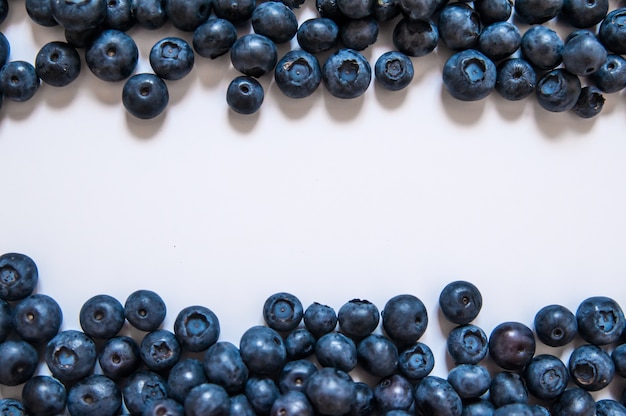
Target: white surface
(328, 199)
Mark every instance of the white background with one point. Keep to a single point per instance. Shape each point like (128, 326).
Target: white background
(325, 198)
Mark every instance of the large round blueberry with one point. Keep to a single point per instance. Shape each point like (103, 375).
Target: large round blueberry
(546, 376)
(282, 311)
(618, 355)
(469, 75)
(584, 13)
(254, 55)
(416, 361)
(404, 319)
(394, 393)
(196, 328)
(95, 395)
(394, 70)
(261, 392)
(224, 365)
(262, 350)
(160, 350)
(507, 387)
(331, 391)
(537, 11)
(79, 14)
(364, 402)
(574, 401)
(184, 376)
(610, 407)
(18, 82)
(611, 75)
(516, 79)
(558, 90)
(70, 355)
(245, 95)
(612, 31)
(435, 396)
(37, 318)
(492, 11)
(460, 302)
(318, 34)
(142, 387)
(378, 355)
(470, 380)
(163, 407)
(102, 316)
(44, 395)
(583, 53)
(145, 309)
(207, 400)
(40, 12)
(415, 37)
(555, 325)
(291, 404)
(299, 343)
(214, 37)
(240, 406)
(512, 345)
(238, 11)
(119, 357)
(459, 26)
(600, 320)
(358, 318)
(346, 74)
(171, 58)
(499, 40)
(298, 74)
(112, 56)
(119, 15)
(542, 47)
(187, 15)
(274, 20)
(320, 319)
(18, 362)
(149, 14)
(591, 367)
(590, 102)
(358, 34)
(419, 9)
(295, 374)
(467, 344)
(57, 63)
(145, 96)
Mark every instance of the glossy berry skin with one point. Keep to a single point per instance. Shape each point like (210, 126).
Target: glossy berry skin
(499, 40)
(584, 14)
(282, 311)
(160, 350)
(57, 63)
(600, 320)
(394, 393)
(184, 376)
(81, 38)
(142, 387)
(119, 15)
(591, 368)
(590, 102)
(44, 395)
(145, 310)
(112, 56)
(187, 15)
(583, 53)
(223, 365)
(299, 343)
(358, 34)
(346, 74)
(459, 26)
(163, 407)
(610, 407)
(336, 350)
(469, 75)
(355, 9)
(618, 355)
(263, 351)
(245, 95)
(612, 31)
(291, 404)
(320, 319)
(254, 55)
(611, 75)
(415, 37)
(329, 9)
(512, 345)
(214, 37)
(467, 344)
(331, 391)
(5, 49)
(493, 11)
(18, 82)
(295, 374)
(555, 325)
(394, 70)
(6, 319)
(435, 396)
(145, 96)
(149, 14)
(378, 355)
(79, 16)
(460, 302)
(536, 12)
(207, 400)
(542, 47)
(171, 58)
(234, 11)
(574, 401)
(261, 392)
(507, 387)
(12, 407)
(102, 317)
(37, 318)
(18, 362)
(470, 381)
(95, 395)
(240, 406)
(274, 20)
(478, 407)
(317, 34)
(516, 79)
(358, 318)
(40, 12)
(404, 319)
(546, 376)
(416, 361)
(197, 328)
(71, 355)
(558, 90)
(364, 402)
(119, 357)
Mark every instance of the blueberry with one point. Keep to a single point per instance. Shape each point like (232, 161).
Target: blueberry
(336, 350)
(415, 37)
(467, 344)
(574, 401)
(44, 395)
(364, 402)
(469, 380)
(112, 56)
(611, 75)
(102, 316)
(478, 407)
(274, 20)
(555, 325)
(119, 15)
(245, 95)
(331, 391)
(184, 376)
(144, 96)
(514, 409)
(236, 11)
(223, 365)
(299, 343)
(37, 318)
(512, 345)
(18, 82)
(81, 38)
(119, 357)
(355, 9)
(612, 31)
(358, 34)
(358, 318)
(18, 272)
(499, 40)
(542, 47)
(261, 392)
(546, 376)
(298, 75)
(263, 351)
(160, 350)
(214, 37)
(507, 387)
(171, 58)
(71, 355)
(95, 395)
(240, 406)
(459, 26)
(416, 361)
(57, 63)
(583, 13)
(187, 15)
(295, 374)
(590, 102)
(583, 53)
(394, 70)
(419, 9)
(386, 10)
(600, 320)
(163, 407)
(140, 388)
(79, 15)
(329, 9)
(378, 355)
(318, 34)
(493, 11)
(282, 311)
(40, 12)
(145, 310)
(516, 79)
(469, 75)
(196, 328)
(291, 404)
(18, 362)
(207, 400)
(149, 14)
(320, 319)
(537, 11)
(404, 319)
(618, 355)
(5, 49)
(254, 55)
(591, 368)
(346, 74)
(460, 302)
(394, 392)
(610, 407)
(558, 90)
(12, 407)
(6, 320)
(435, 396)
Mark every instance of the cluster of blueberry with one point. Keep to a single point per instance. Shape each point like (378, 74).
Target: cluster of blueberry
(302, 361)
(482, 38)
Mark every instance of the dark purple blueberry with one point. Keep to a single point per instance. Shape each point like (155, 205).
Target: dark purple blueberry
(295, 374)
(119, 357)
(364, 403)
(516, 79)
(512, 345)
(236, 11)
(478, 407)
(336, 350)
(467, 344)
(18, 82)
(555, 325)
(416, 361)
(419, 9)
(263, 351)
(358, 318)
(299, 343)
(207, 400)
(261, 392)
(187, 15)
(318, 34)
(469, 75)
(590, 102)
(492, 11)
(546, 376)
(611, 76)
(618, 355)
(245, 95)
(557, 91)
(507, 387)
(600, 320)
(590, 367)
(79, 15)
(574, 401)
(435, 396)
(331, 391)
(223, 365)
(292, 403)
(160, 350)
(44, 395)
(142, 387)
(358, 34)
(71, 355)
(612, 31)
(18, 362)
(145, 310)
(171, 58)
(355, 9)
(18, 272)
(95, 395)
(57, 63)
(542, 47)
(274, 20)
(37, 318)
(469, 380)
(386, 10)
(460, 302)
(537, 11)
(584, 13)
(214, 37)
(499, 40)
(102, 317)
(240, 406)
(149, 14)
(163, 407)
(346, 74)
(610, 407)
(583, 53)
(298, 75)
(40, 12)
(378, 355)
(394, 70)
(282, 311)
(254, 55)
(112, 56)
(119, 15)
(459, 26)
(415, 37)
(184, 376)
(145, 96)
(320, 319)
(196, 328)
(329, 9)
(394, 392)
